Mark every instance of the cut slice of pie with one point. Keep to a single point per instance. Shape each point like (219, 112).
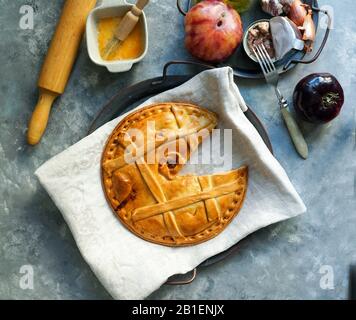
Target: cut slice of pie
(140, 164)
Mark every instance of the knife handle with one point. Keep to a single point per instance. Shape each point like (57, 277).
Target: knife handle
(295, 133)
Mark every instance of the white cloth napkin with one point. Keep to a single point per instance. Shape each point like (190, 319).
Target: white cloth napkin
(129, 267)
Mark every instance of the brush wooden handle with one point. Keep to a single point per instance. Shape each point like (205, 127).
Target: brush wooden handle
(59, 62)
(130, 20)
(141, 4)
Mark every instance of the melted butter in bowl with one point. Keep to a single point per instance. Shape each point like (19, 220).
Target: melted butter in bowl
(131, 48)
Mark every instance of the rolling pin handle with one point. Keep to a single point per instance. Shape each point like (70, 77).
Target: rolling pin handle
(39, 119)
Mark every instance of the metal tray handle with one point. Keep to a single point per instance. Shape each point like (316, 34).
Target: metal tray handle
(326, 36)
(180, 8)
(182, 62)
(179, 280)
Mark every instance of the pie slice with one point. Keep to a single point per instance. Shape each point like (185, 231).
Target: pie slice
(140, 164)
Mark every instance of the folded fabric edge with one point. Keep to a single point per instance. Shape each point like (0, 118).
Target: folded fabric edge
(282, 174)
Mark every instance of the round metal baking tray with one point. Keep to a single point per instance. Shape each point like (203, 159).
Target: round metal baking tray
(130, 97)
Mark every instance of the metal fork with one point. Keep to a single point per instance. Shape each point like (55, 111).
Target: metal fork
(272, 77)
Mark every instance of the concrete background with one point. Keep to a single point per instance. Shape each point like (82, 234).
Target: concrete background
(284, 261)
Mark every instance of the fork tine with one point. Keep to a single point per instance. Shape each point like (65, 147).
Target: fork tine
(268, 57)
(264, 59)
(260, 60)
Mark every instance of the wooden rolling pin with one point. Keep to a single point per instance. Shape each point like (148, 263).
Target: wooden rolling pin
(59, 63)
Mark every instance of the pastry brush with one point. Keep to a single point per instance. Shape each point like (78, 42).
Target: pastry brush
(125, 27)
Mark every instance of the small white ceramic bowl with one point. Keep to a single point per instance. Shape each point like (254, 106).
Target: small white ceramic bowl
(111, 8)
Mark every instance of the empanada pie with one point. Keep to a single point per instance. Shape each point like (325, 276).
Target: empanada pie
(140, 164)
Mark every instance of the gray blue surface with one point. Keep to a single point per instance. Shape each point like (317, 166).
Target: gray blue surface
(283, 261)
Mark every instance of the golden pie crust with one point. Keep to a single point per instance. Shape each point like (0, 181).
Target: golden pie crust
(150, 199)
